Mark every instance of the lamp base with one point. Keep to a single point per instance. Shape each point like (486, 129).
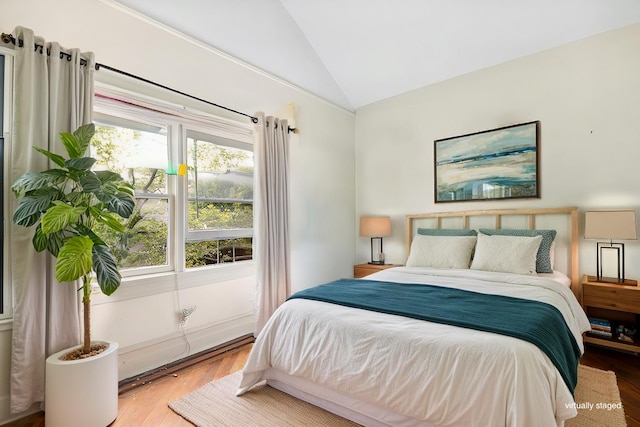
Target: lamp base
(613, 280)
(376, 262)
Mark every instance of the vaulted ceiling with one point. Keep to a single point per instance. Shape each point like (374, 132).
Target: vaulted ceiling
(355, 52)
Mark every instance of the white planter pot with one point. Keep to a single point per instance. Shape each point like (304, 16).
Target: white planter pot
(82, 393)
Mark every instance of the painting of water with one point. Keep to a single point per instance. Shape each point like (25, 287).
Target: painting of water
(493, 164)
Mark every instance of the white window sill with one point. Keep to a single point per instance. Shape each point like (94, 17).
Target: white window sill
(153, 284)
(6, 324)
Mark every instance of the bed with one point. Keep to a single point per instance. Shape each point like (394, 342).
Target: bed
(436, 342)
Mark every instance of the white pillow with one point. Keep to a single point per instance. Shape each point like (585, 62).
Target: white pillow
(507, 254)
(441, 251)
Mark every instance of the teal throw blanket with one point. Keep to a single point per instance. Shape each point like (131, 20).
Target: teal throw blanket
(536, 322)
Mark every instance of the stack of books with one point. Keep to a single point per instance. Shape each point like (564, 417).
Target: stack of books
(626, 334)
(600, 327)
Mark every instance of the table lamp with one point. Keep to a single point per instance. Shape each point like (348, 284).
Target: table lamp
(375, 227)
(610, 225)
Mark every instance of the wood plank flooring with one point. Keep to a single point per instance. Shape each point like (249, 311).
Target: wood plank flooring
(146, 406)
(627, 369)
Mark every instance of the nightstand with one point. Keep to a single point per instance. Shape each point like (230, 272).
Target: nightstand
(362, 270)
(617, 303)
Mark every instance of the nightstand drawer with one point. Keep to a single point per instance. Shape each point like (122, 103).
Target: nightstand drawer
(363, 270)
(612, 298)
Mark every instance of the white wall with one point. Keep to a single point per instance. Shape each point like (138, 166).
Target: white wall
(585, 95)
(322, 182)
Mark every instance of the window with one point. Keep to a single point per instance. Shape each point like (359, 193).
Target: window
(219, 200)
(193, 180)
(138, 152)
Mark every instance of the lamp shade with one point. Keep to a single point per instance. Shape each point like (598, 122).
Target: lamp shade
(620, 224)
(375, 226)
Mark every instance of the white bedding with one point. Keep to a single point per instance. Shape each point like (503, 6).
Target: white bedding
(558, 277)
(446, 375)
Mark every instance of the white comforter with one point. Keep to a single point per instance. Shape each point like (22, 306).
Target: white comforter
(443, 374)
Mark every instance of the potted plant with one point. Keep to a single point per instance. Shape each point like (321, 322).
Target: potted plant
(65, 204)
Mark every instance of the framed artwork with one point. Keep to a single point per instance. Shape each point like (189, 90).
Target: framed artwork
(493, 164)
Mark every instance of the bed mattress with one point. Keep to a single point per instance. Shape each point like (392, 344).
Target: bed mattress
(427, 373)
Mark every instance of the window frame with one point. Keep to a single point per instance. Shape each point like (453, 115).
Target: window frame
(128, 121)
(192, 236)
(177, 119)
(210, 235)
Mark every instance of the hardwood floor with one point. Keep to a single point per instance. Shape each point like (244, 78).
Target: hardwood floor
(627, 369)
(146, 405)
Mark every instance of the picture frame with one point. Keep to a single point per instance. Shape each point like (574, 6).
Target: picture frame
(495, 164)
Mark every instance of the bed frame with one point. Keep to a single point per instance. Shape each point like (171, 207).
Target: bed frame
(564, 220)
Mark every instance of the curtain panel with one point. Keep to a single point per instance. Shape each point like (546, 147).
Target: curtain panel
(271, 217)
(52, 95)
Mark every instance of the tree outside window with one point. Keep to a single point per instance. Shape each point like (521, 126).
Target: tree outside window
(219, 205)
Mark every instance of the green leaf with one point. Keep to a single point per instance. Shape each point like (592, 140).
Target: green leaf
(27, 221)
(108, 176)
(104, 264)
(110, 221)
(60, 216)
(85, 231)
(58, 160)
(74, 259)
(110, 188)
(81, 163)
(56, 176)
(30, 206)
(83, 135)
(122, 204)
(104, 197)
(40, 240)
(55, 241)
(76, 198)
(30, 181)
(91, 183)
(71, 144)
(126, 188)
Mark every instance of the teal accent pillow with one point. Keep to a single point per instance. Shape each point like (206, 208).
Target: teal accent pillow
(446, 232)
(543, 258)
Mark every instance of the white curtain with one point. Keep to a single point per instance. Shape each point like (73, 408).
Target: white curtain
(52, 95)
(271, 210)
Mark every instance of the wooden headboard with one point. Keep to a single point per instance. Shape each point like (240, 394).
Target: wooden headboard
(564, 220)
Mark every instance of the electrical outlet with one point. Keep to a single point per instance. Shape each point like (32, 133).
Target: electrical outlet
(186, 312)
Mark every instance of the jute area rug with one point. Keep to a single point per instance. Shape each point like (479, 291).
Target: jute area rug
(215, 404)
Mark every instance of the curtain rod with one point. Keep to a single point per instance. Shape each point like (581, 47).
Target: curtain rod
(124, 73)
(8, 38)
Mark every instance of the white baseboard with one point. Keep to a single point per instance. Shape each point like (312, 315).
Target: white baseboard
(143, 357)
(6, 416)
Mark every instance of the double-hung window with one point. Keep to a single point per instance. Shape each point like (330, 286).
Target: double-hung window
(219, 199)
(138, 152)
(193, 179)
